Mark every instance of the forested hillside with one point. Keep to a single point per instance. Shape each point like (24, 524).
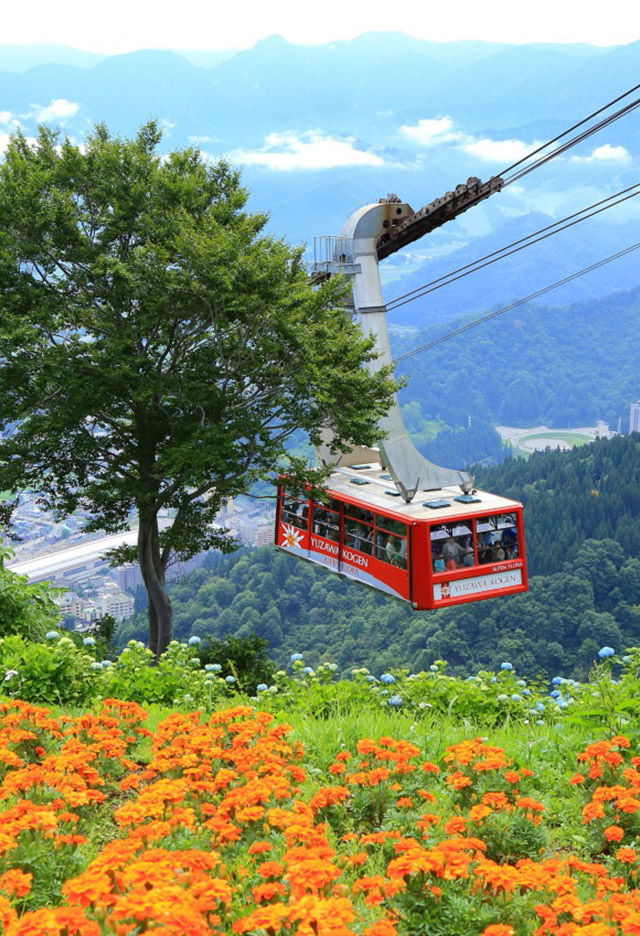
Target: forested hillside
(564, 367)
(583, 546)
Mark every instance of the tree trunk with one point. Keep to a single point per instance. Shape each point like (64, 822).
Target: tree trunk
(160, 612)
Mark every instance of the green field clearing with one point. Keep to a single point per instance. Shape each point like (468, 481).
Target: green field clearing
(572, 439)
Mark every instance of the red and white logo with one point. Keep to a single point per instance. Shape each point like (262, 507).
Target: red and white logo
(445, 591)
(291, 536)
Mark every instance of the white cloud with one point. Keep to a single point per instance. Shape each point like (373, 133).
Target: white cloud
(58, 110)
(605, 153)
(498, 151)
(5, 117)
(432, 132)
(311, 150)
(199, 140)
(442, 131)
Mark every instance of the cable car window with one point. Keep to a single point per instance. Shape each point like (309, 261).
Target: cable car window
(326, 523)
(392, 549)
(295, 512)
(391, 526)
(358, 513)
(451, 547)
(497, 538)
(358, 536)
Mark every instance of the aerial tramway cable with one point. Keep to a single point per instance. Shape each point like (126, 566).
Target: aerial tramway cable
(576, 125)
(606, 121)
(572, 142)
(518, 302)
(515, 246)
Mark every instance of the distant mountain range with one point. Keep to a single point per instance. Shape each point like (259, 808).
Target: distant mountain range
(321, 130)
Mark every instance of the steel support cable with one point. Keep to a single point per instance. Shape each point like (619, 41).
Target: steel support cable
(518, 302)
(571, 129)
(571, 143)
(515, 246)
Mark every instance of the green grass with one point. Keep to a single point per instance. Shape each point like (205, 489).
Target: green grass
(571, 438)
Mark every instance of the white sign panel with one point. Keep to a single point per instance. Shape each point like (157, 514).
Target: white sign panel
(461, 588)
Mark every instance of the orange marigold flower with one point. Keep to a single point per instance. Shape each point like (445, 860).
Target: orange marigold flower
(358, 859)
(614, 833)
(427, 820)
(426, 795)
(498, 929)
(479, 812)
(268, 891)
(497, 800)
(404, 802)
(383, 927)
(621, 741)
(428, 767)
(626, 855)
(343, 755)
(592, 811)
(458, 780)
(270, 869)
(576, 779)
(455, 825)
(526, 802)
(258, 848)
(16, 882)
(265, 918)
(512, 777)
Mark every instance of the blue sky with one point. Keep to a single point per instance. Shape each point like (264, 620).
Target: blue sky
(126, 25)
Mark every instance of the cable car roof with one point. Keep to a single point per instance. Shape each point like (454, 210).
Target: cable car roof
(371, 484)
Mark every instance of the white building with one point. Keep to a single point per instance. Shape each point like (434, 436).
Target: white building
(634, 417)
(264, 534)
(117, 604)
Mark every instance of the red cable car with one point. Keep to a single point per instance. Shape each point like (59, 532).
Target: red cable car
(433, 552)
(399, 523)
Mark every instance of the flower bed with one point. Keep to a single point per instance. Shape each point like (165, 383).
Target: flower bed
(226, 828)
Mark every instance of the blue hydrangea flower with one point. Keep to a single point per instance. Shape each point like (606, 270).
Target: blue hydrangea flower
(89, 641)
(387, 678)
(296, 657)
(106, 664)
(395, 701)
(95, 665)
(604, 652)
(213, 668)
(371, 678)
(230, 679)
(557, 681)
(308, 671)
(506, 666)
(194, 640)
(516, 697)
(51, 635)
(261, 687)
(555, 694)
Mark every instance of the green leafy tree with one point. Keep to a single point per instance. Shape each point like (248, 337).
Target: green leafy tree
(25, 609)
(157, 348)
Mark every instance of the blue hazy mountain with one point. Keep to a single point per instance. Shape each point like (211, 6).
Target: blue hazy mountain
(320, 130)
(20, 58)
